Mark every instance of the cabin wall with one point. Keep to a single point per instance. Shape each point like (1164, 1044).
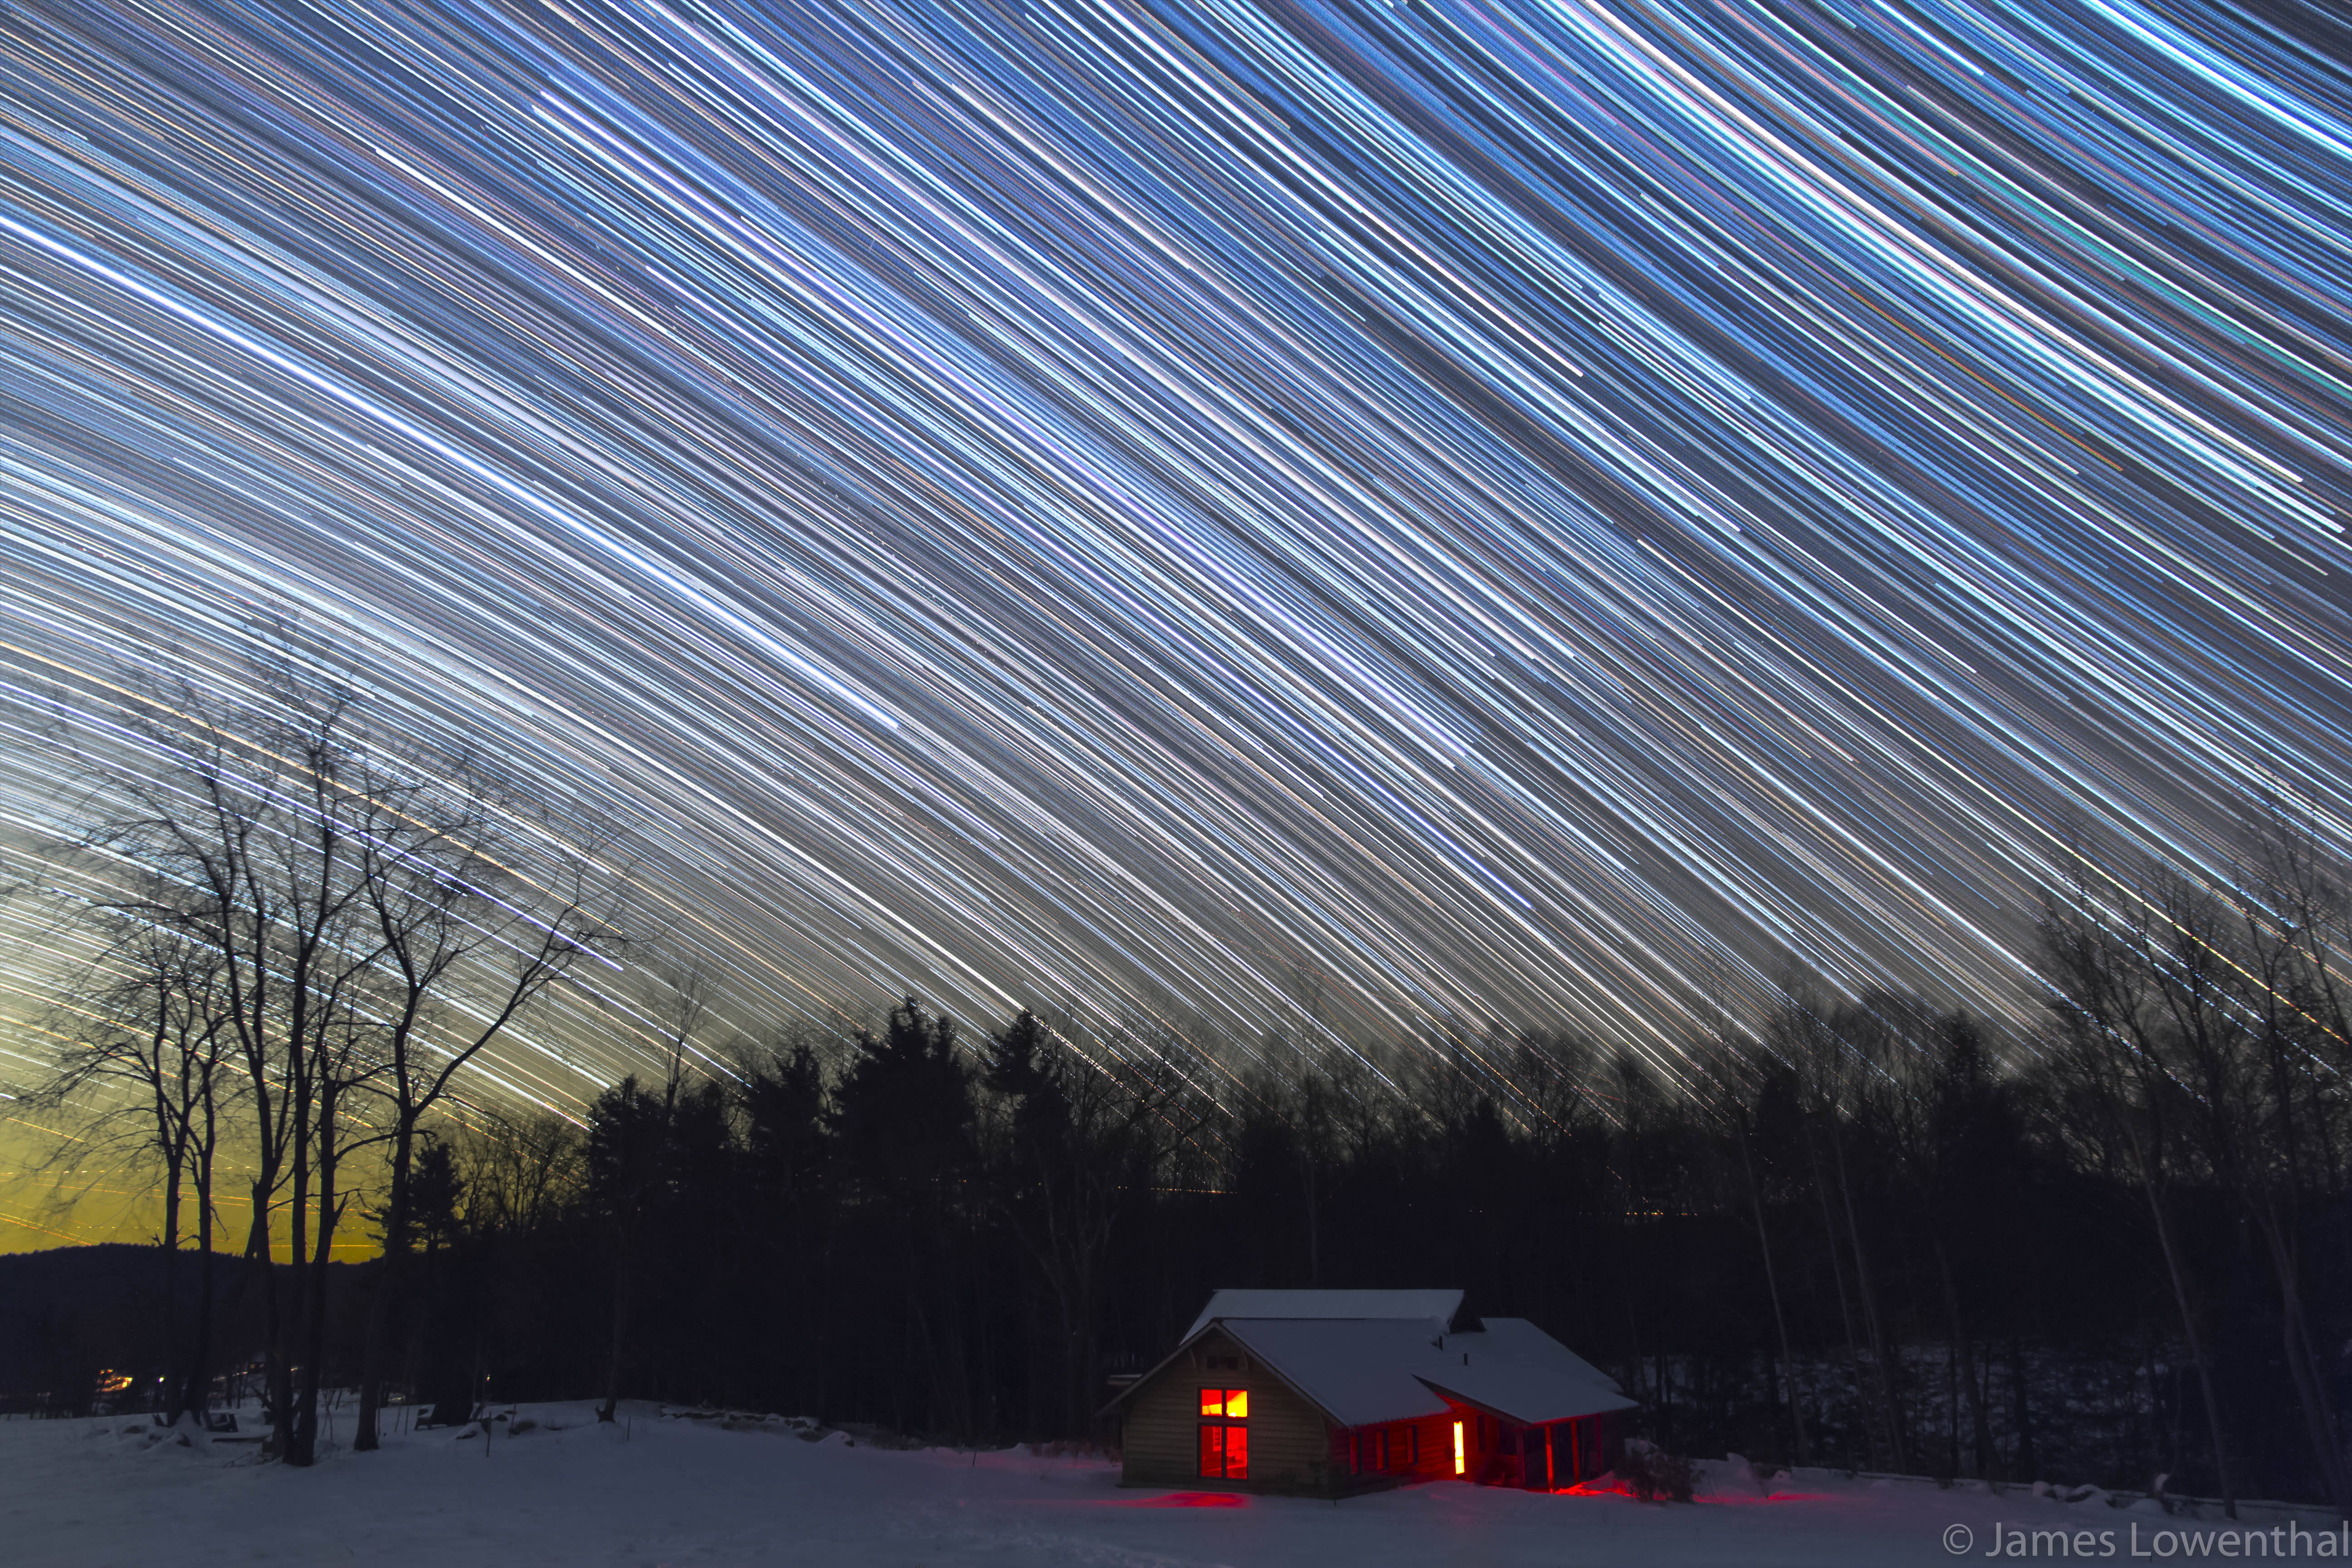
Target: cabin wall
(1490, 1448)
(1356, 1452)
(1579, 1450)
(1494, 1453)
(1589, 1445)
(1290, 1442)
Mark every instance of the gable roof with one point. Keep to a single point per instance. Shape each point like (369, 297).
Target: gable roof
(1358, 1373)
(1439, 1306)
(1518, 1371)
(1396, 1361)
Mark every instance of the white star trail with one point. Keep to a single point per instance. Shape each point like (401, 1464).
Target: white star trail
(1518, 511)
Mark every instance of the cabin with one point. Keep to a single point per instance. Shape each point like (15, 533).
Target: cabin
(1334, 1392)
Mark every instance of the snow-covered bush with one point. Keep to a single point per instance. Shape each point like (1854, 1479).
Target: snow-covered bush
(1651, 1474)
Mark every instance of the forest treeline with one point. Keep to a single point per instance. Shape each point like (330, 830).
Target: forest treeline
(1852, 1238)
(1848, 1231)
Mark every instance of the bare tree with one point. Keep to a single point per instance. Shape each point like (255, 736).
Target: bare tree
(1838, 1055)
(236, 836)
(141, 1054)
(519, 1173)
(632, 1150)
(1729, 1081)
(2232, 1022)
(2122, 1086)
(473, 921)
(363, 924)
(1076, 1136)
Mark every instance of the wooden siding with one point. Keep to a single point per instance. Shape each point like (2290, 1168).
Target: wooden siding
(1290, 1444)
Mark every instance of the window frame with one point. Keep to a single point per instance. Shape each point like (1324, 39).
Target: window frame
(1217, 1421)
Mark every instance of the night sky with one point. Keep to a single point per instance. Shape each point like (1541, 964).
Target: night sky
(1529, 514)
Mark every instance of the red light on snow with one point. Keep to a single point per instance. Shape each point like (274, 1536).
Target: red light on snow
(1189, 1500)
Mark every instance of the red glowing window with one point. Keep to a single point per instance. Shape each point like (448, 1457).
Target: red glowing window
(1461, 1459)
(1225, 1440)
(1225, 1452)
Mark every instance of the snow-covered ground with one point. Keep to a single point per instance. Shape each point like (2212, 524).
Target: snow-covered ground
(661, 1491)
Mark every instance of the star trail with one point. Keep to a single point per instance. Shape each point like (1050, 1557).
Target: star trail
(1518, 513)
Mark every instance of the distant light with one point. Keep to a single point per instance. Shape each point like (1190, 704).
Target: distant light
(1461, 1465)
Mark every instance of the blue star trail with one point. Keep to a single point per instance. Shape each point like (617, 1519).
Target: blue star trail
(1289, 516)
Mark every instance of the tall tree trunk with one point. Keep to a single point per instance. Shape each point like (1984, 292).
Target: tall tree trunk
(1306, 1184)
(278, 1388)
(1870, 1316)
(374, 1335)
(2188, 1331)
(1987, 1461)
(392, 1278)
(2302, 1364)
(196, 1393)
(622, 1262)
(292, 1446)
(1846, 1304)
(173, 1350)
(2022, 1416)
(1952, 1408)
(1779, 1317)
(309, 1387)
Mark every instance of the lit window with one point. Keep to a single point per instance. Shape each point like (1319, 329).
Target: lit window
(1225, 1441)
(1461, 1455)
(1232, 1403)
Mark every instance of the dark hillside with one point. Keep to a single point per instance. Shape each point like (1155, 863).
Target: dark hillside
(71, 1313)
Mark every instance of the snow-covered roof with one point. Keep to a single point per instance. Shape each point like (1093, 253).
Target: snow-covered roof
(1363, 1357)
(1518, 1372)
(1418, 1306)
(1361, 1373)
